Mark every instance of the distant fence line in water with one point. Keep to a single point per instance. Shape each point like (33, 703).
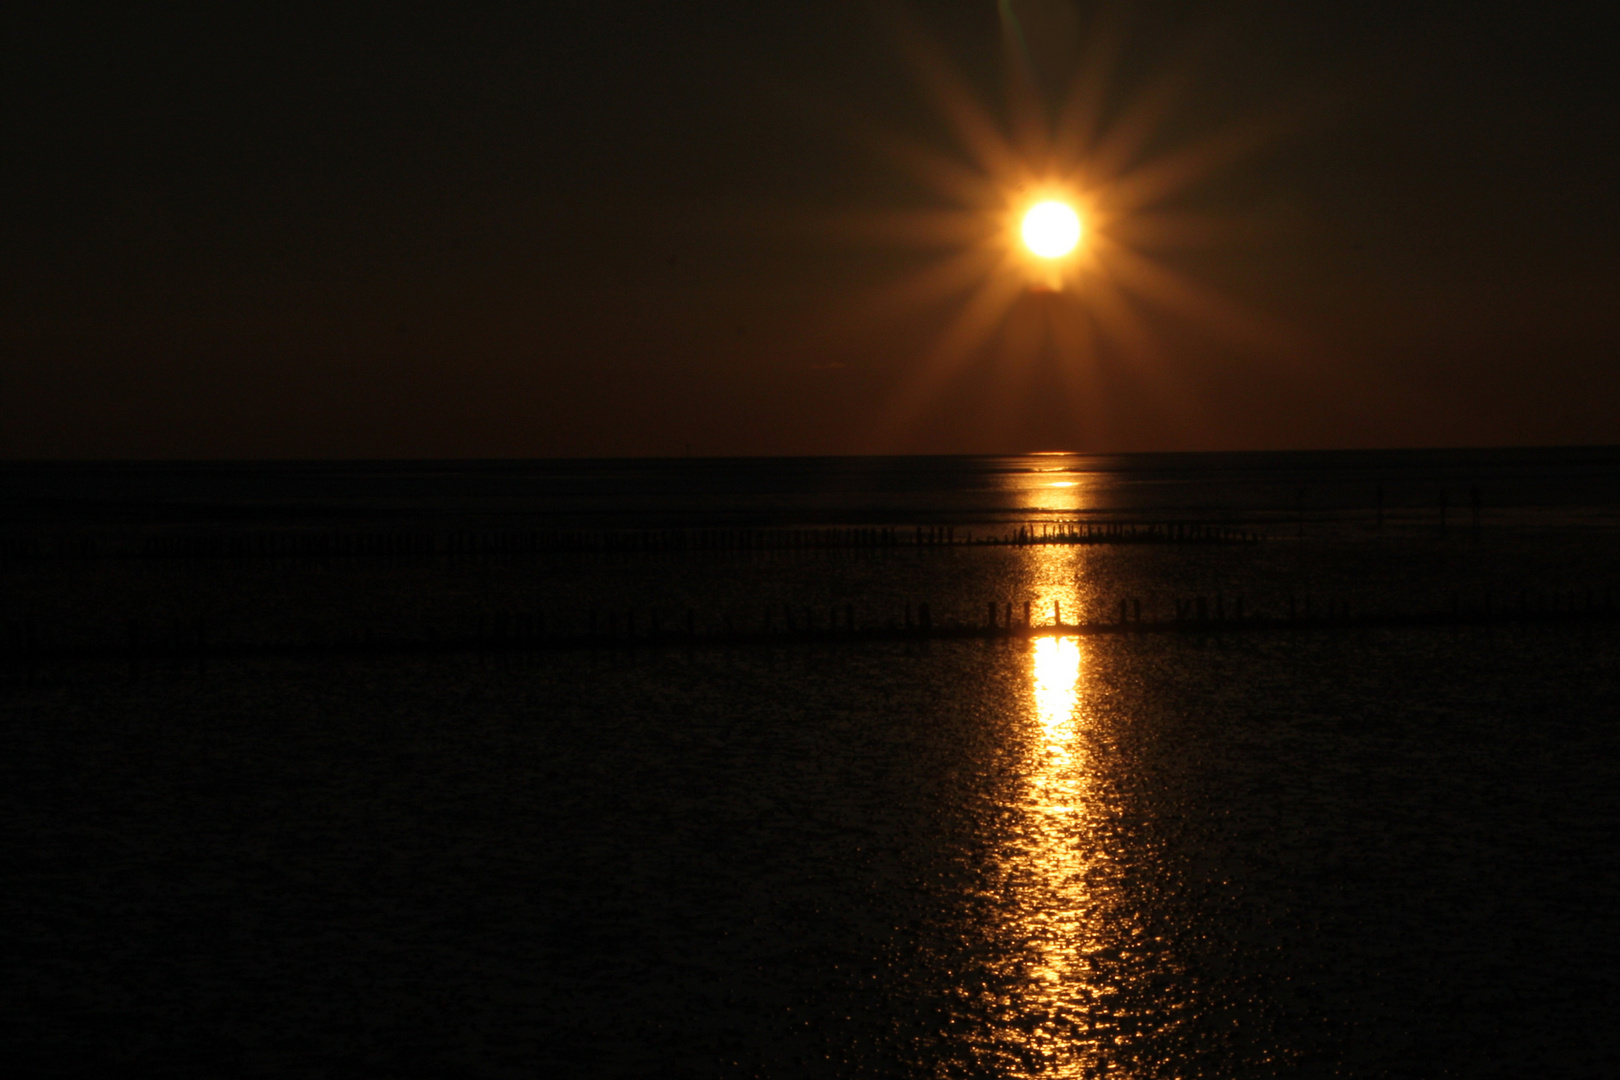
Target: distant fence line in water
(386, 544)
(24, 650)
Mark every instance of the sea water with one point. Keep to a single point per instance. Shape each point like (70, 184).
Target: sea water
(1353, 852)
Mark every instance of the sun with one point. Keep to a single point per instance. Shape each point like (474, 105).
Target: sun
(1051, 229)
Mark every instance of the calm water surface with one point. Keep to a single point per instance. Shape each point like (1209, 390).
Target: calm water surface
(1367, 854)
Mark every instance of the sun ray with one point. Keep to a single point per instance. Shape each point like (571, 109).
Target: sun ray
(921, 229)
(1210, 308)
(1027, 112)
(1122, 143)
(978, 318)
(949, 177)
(972, 124)
(1080, 116)
(974, 324)
(944, 279)
(1182, 229)
(1027, 333)
(1173, 173)
(1081, 373)
(1119, 320)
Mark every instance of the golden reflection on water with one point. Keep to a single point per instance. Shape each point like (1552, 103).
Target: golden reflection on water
(1056, 674)
(1064, 929)
(1057, 487)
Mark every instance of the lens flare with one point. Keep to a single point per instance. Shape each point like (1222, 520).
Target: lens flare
(1051, 229)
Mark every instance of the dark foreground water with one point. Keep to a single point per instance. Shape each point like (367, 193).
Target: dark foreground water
(1284, 853)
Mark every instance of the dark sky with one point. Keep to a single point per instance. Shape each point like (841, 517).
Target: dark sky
(416, 230)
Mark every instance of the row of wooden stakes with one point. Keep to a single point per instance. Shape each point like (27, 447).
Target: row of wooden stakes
(23, 647)
(397, 544)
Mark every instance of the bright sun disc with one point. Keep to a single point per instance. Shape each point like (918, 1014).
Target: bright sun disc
(1051, 229)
